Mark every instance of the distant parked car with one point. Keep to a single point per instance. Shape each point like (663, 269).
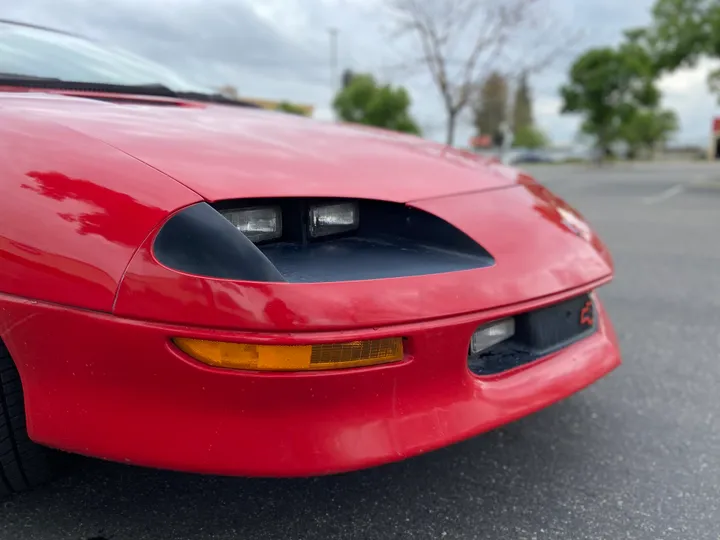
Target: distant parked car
(532, 157)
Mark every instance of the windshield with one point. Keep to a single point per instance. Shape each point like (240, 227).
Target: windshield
(33, 52)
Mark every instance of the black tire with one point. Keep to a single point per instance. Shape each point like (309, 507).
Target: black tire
(23, 464)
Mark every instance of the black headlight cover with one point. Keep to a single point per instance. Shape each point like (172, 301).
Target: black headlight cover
(199, 241)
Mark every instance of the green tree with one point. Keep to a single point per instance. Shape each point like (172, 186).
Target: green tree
(682, 32)
(608, 86)
(647, 129)
(290, 108)
(530, 137)
(523, 120)
(364, 101)
(490, 111)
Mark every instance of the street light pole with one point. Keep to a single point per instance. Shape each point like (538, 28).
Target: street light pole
(333, 59)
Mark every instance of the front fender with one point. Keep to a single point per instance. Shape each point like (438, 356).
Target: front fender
(73, 212)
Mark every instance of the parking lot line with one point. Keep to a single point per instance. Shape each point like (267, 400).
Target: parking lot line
(664, 195)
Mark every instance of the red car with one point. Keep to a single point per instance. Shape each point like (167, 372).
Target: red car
(192, 283)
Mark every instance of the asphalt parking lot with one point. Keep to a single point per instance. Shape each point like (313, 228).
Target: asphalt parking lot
(636, 456)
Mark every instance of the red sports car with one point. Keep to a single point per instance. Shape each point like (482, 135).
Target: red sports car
(188, 282)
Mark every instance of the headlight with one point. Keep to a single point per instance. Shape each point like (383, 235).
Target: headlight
(491, 334)
(258, 224)
(333, 219)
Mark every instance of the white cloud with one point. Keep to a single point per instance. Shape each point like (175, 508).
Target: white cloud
(287, 16)
(686, 92)
(687, 82)
(561, 128)
(547, 107)
(324, 113)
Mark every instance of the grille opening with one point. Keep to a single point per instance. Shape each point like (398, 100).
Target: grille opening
(538, 333)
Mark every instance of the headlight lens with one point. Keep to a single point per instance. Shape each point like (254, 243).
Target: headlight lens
(258, 224)
(333, 219)
(491, 334)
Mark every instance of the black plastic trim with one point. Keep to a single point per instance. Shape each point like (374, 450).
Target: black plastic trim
(353, 258)
(45, 28)
(199, 241)
(538, 333)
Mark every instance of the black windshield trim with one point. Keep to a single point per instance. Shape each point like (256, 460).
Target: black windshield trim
(158, 90)
(216, 98)
(44, 28)
(155, 90)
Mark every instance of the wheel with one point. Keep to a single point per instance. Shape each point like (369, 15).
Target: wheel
(23, 464)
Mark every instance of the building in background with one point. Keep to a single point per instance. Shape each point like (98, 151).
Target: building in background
(306, 110)
(286, 106)
(481, 142)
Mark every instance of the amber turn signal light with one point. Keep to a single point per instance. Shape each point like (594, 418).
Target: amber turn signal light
(326, 356)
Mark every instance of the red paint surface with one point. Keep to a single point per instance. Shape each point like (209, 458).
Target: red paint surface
(87, 312)
(113, 388)
(73, 211)
(226, 152)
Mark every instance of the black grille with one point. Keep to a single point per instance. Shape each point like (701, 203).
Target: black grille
(538, 333)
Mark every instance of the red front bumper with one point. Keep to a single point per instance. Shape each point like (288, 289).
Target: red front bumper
(115, 388)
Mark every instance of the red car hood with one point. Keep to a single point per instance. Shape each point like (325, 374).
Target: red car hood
(224, 152)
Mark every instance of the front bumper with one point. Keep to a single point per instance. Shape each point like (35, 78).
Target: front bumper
(117, 389)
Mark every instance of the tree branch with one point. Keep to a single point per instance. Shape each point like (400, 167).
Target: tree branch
(483, 28)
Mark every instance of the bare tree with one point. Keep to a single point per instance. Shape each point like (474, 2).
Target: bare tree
(461, 41)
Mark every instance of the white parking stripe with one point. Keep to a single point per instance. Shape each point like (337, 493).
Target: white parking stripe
(665, 195)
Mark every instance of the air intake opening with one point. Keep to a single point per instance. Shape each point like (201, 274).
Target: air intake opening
(536, 334)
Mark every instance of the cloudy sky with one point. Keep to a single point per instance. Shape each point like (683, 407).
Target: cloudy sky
(279, 49)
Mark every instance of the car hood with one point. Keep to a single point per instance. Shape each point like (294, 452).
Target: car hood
(225, 152)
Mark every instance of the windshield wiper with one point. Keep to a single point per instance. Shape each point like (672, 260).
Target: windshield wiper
(51, 83)
(20, 76)
(216, 98)
(152, 89)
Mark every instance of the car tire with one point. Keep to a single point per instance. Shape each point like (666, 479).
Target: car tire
(23, 464)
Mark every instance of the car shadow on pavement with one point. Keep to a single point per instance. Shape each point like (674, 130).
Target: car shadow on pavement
(502, 477)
